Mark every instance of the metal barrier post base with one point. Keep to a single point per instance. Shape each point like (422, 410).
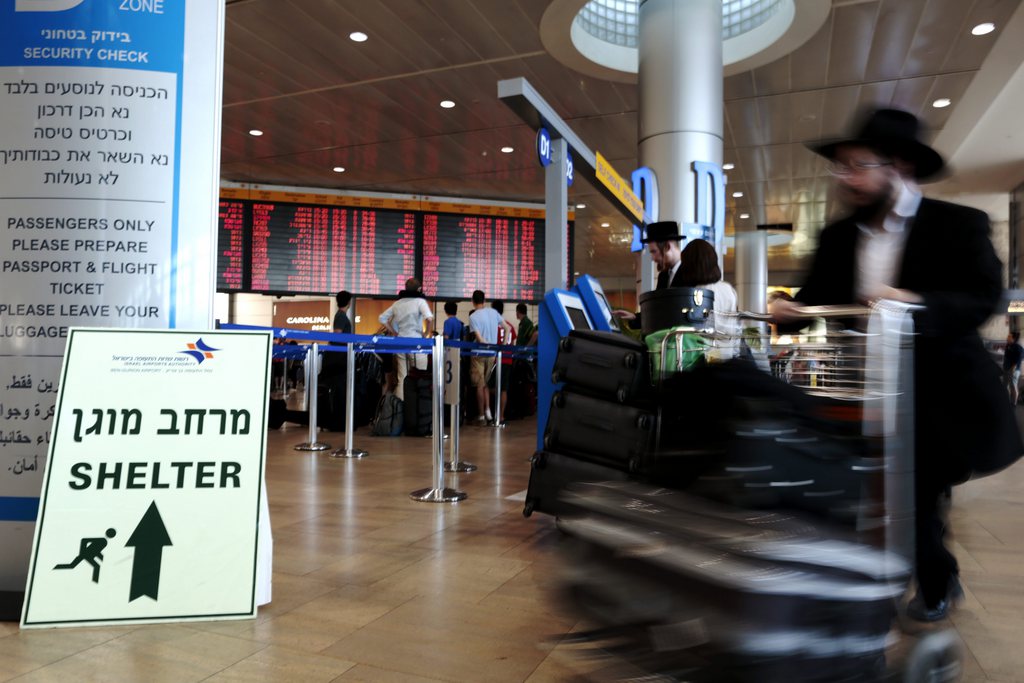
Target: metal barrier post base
(349, 453)
(460, 466)
(313, 446)
(445, 495)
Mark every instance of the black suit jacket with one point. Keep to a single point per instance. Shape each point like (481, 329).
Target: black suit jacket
(663, 282)
(964, 421)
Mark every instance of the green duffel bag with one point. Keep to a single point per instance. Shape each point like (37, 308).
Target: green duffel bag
(693, 346)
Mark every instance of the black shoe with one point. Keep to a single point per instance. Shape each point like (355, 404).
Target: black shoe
(919, 611)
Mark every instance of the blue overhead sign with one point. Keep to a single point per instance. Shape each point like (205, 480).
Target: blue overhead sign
(544, 146)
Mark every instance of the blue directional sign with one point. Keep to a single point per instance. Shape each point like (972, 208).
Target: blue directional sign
(544, 146)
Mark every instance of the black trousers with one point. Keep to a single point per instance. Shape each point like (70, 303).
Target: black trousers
(936, 566)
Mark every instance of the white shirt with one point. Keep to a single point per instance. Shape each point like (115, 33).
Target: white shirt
(727, 323)
(880, 252)
(407, 315)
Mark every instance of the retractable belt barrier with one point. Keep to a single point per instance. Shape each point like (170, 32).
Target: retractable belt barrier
(356, 343)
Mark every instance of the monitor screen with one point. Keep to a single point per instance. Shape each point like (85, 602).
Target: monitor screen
(578, 318)
(606, 309)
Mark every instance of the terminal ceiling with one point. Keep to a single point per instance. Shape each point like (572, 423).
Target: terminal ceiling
(325, 101)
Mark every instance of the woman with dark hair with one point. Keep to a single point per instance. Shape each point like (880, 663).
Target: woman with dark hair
(698, 267)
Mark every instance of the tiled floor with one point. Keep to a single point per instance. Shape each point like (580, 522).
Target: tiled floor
(371, 586)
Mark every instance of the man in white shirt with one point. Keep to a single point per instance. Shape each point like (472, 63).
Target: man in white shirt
(406, 318)
(484, 322)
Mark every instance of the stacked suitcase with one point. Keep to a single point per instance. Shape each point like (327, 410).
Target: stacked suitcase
(603, 423)
(702, 592)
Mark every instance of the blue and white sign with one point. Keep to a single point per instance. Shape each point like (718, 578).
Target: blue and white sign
(109, 168)
(645, 186)
(569, 172)
(543, 146)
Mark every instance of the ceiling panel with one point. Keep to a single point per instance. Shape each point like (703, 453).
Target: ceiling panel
(372, 107)
(895, 28)
(852, 39)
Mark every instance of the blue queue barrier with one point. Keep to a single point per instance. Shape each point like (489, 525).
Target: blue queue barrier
(354, 343)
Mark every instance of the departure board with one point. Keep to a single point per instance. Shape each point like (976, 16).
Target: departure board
(231, 259)
(502, 256)
(301, 249)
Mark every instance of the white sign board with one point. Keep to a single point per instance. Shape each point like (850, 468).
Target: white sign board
(152, 488)
(109, 169)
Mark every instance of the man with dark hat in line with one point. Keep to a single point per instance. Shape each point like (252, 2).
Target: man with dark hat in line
(898, 245)
(662, 240)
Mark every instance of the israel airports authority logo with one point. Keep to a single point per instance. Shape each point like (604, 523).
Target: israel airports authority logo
(199, 350)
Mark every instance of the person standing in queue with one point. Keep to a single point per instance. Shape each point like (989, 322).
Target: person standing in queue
(406, 318)
(527, 330)
(698, 268)
(452, 325)
(663, 243)
(506, 337)
(484, 322)
(898, 245)
(662, 239)
(342, 323)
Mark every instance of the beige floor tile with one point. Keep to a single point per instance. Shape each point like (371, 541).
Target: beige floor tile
(371, 586)
(153, 653)
(365, 566)
(279, 664)
(31, 649)
(362, 673)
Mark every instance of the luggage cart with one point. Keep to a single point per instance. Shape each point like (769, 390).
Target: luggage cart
(682, 588)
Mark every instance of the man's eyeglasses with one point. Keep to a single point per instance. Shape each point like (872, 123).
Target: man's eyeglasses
(856, 168)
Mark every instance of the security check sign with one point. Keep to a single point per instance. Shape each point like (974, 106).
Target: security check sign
(151, 499)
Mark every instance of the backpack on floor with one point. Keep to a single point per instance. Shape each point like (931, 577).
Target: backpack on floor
(388, 420)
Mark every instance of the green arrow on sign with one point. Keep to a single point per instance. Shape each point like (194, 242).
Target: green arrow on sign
(148, 539)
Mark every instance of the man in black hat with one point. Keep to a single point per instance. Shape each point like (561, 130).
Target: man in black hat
(898, 245)
(662, 240)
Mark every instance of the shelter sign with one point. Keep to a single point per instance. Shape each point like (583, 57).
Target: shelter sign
(151, 495)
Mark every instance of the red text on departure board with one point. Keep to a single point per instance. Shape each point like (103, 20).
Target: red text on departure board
(321, 249)
(500, 256)
(230, 245)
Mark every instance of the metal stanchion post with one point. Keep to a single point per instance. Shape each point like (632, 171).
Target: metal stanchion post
(438, 493)
(350, 399)
(454, 465)
(311, 389)
(499, 422)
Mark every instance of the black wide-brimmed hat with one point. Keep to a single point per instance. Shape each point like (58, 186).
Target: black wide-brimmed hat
(662, 231)
(893, 133)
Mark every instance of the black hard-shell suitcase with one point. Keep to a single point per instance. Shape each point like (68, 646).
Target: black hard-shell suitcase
(770, 464)
(601, 431)
(550, 473)
(759, 596)
(418, 406)
(606, 364)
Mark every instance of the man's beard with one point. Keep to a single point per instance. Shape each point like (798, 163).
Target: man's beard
(867, 213)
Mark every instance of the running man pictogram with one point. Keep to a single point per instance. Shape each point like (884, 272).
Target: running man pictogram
(91, 551)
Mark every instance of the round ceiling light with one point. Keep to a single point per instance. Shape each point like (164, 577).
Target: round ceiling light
(600, 38)
(255, 132)
(942, 103)
(507, 150)
(338, 169)
(447, 104)
(358, 37)
(983, 29)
